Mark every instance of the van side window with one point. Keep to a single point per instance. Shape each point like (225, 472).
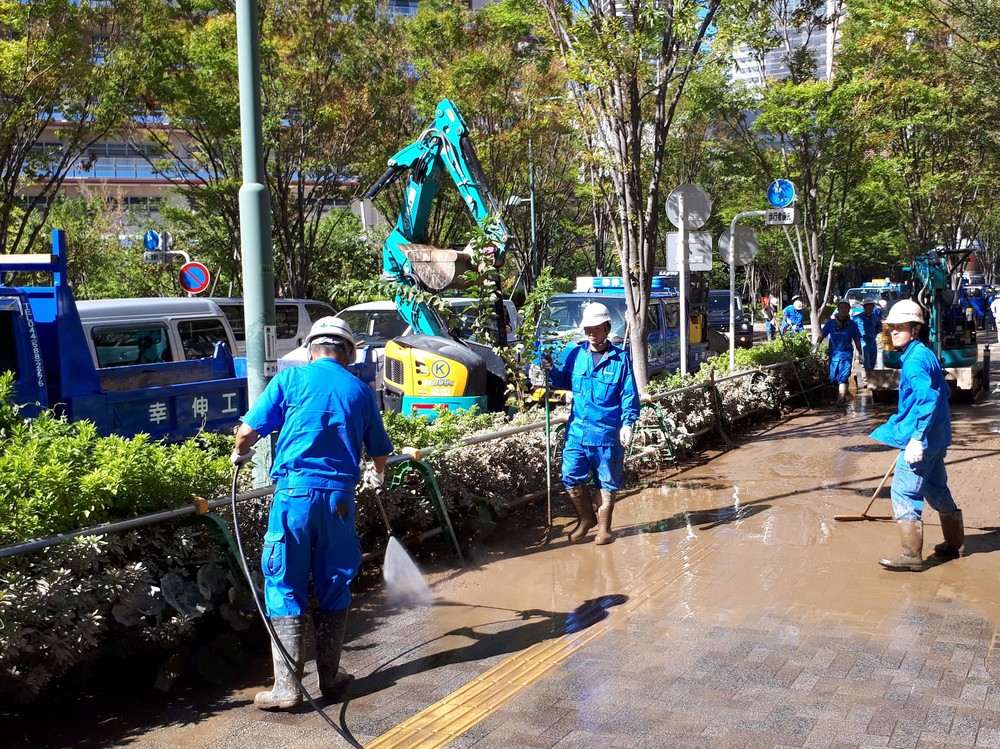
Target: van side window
(234, 314)
(198, 337)
(316, 310)
(286, 317)
(8, 352)
(653, 317)
(119, 347)
(672, 313)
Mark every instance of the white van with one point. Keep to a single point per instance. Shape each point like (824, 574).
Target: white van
(122, 332)
(293, 319)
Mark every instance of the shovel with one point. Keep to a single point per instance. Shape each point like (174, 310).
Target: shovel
(864, 515)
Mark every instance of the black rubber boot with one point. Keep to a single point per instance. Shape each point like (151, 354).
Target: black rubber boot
(331, 627)
(953, 529)
(285, 694)
(911, 536)
(579, 495)
(604, 513)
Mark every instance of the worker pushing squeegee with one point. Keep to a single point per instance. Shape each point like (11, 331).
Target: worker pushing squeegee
(326, 416)
(921, 428)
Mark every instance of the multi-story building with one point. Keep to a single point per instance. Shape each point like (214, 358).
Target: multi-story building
(820, 37)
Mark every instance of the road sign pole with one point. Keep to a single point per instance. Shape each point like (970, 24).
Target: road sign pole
(732, 283)
(682, 282)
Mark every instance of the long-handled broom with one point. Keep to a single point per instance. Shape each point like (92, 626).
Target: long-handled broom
(864, 515)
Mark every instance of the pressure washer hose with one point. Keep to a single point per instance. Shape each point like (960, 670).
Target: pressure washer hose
(272, 635)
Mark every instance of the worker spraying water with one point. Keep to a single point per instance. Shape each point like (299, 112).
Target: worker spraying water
(326, 416)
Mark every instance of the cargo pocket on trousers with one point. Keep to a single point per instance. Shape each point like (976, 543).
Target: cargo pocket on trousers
(273, 557)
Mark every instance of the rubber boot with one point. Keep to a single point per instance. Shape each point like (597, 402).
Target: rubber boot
(954, 535)
(911, 536)
(842, 392)
(285, 694)
(604, 513)
(330, 629)
(579, 495)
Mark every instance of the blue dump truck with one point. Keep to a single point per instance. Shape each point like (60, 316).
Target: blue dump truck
(167, 374)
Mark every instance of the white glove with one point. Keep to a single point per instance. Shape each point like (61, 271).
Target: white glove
(239, 459)
(914, 451)
(815, 347)
(625, 435)
(374, 479)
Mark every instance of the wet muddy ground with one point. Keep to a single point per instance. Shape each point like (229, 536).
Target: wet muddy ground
(730, 611)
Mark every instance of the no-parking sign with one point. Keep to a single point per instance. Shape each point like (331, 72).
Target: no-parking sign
(194, 277)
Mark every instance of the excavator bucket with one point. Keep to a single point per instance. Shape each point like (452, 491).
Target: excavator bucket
(436, 268)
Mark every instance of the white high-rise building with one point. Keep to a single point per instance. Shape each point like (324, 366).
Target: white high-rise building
(821, 38)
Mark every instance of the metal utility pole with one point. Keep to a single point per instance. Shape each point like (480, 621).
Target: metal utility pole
(255, 221)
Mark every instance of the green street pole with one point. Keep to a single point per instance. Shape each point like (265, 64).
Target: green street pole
(255, 224)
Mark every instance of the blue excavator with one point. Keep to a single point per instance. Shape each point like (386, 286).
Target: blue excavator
(430, 369)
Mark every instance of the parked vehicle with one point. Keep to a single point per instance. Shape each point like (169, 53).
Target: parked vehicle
(157, 366)
(292, 317)
(718, 317)
(559, 327)
(879, 289)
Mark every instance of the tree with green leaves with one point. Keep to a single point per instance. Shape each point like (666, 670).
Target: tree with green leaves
(629, 63)
(929, 119)
(333, 93)
(67, 75)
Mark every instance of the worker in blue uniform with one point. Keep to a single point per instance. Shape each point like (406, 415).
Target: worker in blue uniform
(844, 339)
(869, 322)
(604, 409)
(326, 416)
(922, 429)
(793, 317)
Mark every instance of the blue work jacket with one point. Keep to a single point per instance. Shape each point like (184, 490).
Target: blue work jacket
(792, 318)
(605, 397)
(842, 337)
(325, 415)
(869, 325)
(923, 402)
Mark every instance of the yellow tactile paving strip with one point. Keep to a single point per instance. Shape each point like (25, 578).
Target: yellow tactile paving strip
(450, 717)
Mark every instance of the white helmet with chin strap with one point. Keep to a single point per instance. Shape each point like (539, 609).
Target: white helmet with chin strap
(595, 314)
(330, 329)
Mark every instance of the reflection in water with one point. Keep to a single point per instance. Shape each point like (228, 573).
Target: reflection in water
(707, 518)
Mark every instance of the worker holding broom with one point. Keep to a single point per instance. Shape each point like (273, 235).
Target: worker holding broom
(922, 429)
(326, 415)
(604, 408)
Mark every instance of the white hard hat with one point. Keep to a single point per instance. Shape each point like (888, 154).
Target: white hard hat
(797, 304)
(332, 328)
(594, 314)
(869, 300)
(905, 310)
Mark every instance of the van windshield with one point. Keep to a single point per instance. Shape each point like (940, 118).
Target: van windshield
(565, 312)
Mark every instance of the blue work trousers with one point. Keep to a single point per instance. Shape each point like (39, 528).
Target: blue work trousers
(869, 352)
(602, 462)
(310, 532)
(840, 369)
(911, 485)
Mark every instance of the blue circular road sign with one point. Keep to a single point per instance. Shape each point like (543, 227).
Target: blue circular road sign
(781, 193)
(194, 277)
(151, 240)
